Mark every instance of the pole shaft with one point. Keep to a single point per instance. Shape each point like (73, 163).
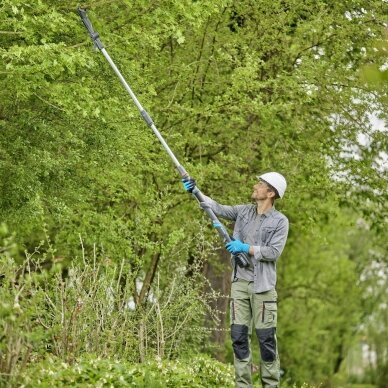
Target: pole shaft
(197, 193)
(141, 109)
(122, 79)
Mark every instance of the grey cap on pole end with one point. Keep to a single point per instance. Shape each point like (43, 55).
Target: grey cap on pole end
(88, 24)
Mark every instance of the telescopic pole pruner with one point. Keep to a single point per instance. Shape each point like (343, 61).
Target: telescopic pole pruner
(241, 258)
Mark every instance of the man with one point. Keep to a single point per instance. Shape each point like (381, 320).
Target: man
(261, 232)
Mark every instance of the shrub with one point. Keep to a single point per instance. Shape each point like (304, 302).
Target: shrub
(85, 308)
(91, 371)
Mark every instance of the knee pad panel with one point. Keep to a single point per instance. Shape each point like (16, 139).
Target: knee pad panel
(267, 343)
(239, 334)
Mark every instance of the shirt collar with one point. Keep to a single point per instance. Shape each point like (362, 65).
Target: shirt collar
(268, 212)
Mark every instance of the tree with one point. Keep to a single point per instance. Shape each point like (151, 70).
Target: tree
(236, 89)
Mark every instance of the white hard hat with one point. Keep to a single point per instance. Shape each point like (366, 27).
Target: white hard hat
(276, 180)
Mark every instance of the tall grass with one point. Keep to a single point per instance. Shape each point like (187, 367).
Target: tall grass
(88, 308)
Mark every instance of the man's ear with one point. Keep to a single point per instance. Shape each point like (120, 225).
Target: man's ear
(271, 194)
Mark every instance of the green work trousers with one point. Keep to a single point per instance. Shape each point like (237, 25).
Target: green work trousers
(249, 310)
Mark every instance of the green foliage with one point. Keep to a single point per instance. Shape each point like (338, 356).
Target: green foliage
(21, 306)
(320, 302)
(236, 88)
(91, 371)
(231, 100)
(89, 308)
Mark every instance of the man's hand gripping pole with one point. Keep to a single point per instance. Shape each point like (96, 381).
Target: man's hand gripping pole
(241, 258)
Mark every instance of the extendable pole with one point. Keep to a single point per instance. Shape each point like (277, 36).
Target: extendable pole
(147, 118)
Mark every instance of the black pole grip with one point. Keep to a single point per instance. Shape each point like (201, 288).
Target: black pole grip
(88, 24)
(241, 258)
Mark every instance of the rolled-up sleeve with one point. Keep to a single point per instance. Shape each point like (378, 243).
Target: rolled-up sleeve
(274, 248)
(224, 211)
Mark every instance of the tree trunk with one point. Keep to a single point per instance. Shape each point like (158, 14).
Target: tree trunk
(141, 298)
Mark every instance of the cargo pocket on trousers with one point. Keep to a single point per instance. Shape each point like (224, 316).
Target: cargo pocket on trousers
(269, 313)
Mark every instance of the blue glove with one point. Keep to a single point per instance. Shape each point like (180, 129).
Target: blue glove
(189, 184)
(237, 246)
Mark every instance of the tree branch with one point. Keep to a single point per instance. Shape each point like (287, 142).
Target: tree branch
(149, 278)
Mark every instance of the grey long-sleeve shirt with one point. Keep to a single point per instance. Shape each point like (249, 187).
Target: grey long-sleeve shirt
(267, 233)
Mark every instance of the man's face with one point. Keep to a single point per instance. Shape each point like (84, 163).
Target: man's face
(261, 191)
